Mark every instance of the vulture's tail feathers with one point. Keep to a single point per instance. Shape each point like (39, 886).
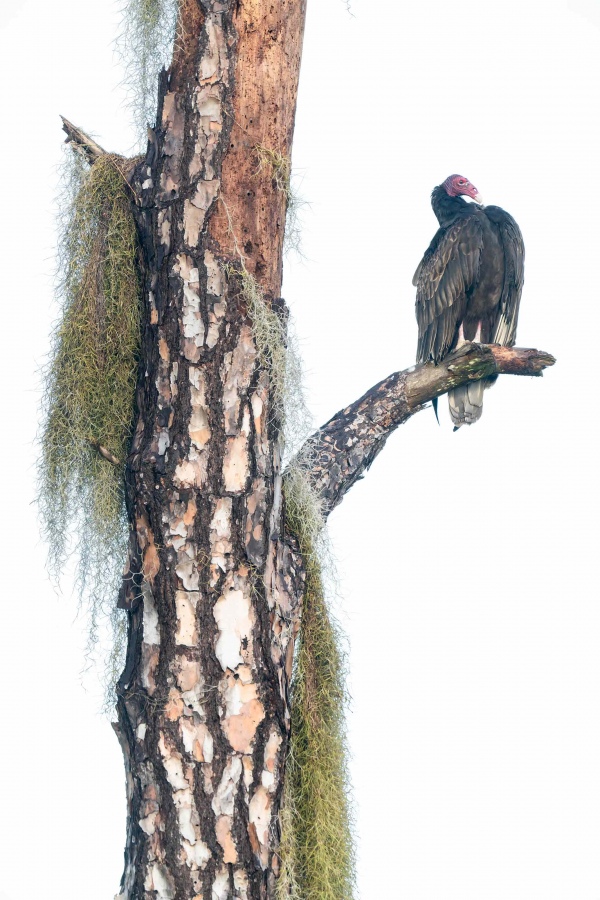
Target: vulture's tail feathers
(466, 403)
(434, 403)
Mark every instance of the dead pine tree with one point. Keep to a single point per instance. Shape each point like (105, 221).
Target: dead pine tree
(232, 687)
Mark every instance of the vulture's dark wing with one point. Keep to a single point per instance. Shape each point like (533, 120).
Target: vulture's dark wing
(505, 330)
(446, 273)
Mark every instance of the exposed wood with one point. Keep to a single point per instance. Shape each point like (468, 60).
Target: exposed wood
(81, 142)
(262, 114)
(516, 361)
(340, 452)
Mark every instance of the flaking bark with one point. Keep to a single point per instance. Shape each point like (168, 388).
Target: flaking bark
(213, 585)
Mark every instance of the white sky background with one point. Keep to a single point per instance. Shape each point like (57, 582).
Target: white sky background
(468, 562)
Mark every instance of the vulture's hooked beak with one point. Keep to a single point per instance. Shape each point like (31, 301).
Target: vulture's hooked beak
(478, 199)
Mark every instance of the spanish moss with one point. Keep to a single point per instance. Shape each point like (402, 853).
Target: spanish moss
(145, 46)
(317, 850)
(89, 389)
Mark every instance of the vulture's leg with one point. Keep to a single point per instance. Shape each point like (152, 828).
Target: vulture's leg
(466, 401)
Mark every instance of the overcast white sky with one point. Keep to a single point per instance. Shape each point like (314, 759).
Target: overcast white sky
(468, 562)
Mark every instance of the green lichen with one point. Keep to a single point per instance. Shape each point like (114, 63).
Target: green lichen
(89, 388)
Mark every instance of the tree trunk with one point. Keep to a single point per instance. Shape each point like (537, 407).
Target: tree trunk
(212, 589)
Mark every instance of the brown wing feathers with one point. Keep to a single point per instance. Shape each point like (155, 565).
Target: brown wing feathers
(505, 330)
(446, 273)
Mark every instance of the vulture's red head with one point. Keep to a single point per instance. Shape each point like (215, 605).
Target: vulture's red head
(456, 186)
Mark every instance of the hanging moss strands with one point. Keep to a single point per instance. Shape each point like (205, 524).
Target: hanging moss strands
(317, 852)
(317, 766)
(145, 46)
(90, 382)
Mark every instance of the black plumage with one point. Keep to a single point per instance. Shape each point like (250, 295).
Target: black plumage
(468, 284)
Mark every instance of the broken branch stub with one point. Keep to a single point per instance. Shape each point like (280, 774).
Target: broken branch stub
(81, 143)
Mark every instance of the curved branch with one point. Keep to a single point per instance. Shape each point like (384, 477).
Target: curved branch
(338, 453)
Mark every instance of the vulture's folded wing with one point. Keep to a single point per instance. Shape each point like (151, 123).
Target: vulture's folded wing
(446, 273)
(505, 330)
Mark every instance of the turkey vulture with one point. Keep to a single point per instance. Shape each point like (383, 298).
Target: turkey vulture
(468, 284)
